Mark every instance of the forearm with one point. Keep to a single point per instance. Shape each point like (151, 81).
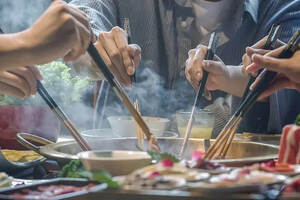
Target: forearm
(14, 50)
(236, 81)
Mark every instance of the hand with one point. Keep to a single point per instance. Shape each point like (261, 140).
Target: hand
(288, 70)
(257, 48)
(20, 82)
(120, 57)
(62, 31)
(195, 64)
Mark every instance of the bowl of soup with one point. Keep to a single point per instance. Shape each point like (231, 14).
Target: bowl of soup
(202, 125)
(116, 162)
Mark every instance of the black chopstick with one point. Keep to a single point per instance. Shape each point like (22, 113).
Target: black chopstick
(271, 40)
(209, 56)
(62, 116)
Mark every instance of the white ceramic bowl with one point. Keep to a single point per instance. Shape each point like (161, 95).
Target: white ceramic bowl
(125, 126)
(117, 163)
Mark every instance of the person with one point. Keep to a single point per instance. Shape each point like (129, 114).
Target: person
(268, 115)
(167, 30)
(288, 70)
(62, 31)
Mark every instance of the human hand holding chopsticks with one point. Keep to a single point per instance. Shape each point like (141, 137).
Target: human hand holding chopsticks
(20, 82)
(221, 77)
(122, 58)
(288, 70)
(257, 48)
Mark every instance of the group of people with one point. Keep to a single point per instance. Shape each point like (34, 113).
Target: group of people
(172, 34)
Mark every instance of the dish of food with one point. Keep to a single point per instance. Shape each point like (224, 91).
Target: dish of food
(49, 191)
(197, 162)
(164, 175)
(20, 156)
(238, 180)
(278, 168)
(289, 151)
(5, 180)
(115, 162)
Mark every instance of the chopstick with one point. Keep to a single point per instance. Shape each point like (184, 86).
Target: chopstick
(209, 56)
(139, 131)
(272, 38)
(122, 96)
(62, 116)
(223, 141)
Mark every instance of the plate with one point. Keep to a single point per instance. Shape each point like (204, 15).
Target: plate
(8, 166)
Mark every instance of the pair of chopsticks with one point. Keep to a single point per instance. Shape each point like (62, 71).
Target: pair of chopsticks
(60, 114)
(122, 96)
(220, 147)
(209, 56)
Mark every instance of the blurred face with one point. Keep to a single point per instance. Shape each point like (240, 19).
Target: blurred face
(210, 13)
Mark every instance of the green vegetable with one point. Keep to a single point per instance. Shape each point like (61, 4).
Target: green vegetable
(297, 122)
(75, 169)
(161, 156)
(65, 87)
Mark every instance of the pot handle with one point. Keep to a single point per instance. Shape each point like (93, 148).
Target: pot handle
(25, 138)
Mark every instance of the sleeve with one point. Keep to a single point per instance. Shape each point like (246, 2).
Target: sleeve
(284, 105)
(281, 108)
(102, 13)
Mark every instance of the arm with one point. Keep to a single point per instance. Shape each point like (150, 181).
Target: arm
(62, 31)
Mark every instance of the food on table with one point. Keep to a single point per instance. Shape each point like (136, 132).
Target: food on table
(246, 176)
(20, 156)
(164, 175)
(293, 187)
(289, 151)
(75, 169)
(49, 191)
(198, 162)
(5, 180)
(274, 167)
(161, 156)
(197, 131)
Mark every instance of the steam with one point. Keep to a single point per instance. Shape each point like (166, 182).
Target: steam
(17, 15)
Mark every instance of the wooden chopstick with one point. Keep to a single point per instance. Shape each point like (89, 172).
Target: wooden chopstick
(271, 40)
(209, 56)
(62, 116)
(122, 95)
(265, 78)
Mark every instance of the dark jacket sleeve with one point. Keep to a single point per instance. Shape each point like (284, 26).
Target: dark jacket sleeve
(102, 13)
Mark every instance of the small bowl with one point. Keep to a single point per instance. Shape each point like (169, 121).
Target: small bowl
(115, 162)
(125, 126)
(99, 134)
(202, 126)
